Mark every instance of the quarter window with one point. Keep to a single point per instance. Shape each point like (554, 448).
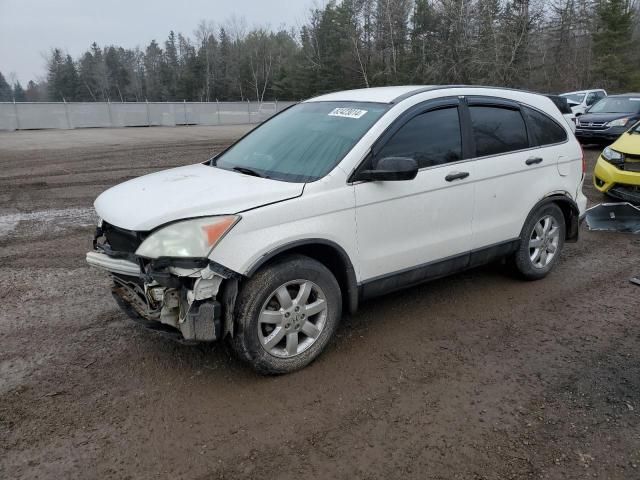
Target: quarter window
(431, 138)
(497, 130)
(544, 131)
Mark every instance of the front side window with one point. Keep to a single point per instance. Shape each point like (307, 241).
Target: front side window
(303, 143)
(431, 138)
(544, 130)
(497, 130)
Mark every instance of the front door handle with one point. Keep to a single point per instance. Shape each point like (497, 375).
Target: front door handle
(533, 160)
(456, 176)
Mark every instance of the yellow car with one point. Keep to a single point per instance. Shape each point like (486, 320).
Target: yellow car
(617, 171)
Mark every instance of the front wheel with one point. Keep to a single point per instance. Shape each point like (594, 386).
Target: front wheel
(287, 313)
(541, 242)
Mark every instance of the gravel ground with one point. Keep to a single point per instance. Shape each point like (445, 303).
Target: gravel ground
(476, 376)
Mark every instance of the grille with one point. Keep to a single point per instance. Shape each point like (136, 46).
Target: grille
(593, 125)
(632, 166)
(121, 240)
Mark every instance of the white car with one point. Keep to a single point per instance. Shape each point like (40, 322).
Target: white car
(581, 100)
(335, 200)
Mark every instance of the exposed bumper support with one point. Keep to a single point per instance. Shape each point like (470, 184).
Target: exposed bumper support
(113, 265)
(167, 297)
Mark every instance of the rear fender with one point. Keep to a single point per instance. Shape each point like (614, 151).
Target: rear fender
(569, 209)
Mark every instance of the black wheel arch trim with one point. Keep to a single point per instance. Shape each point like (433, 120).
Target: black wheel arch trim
(351, 283)
(569, 209)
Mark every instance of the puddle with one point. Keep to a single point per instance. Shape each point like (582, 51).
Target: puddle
(47, 220)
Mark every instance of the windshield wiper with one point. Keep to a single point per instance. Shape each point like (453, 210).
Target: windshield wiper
(248, 171)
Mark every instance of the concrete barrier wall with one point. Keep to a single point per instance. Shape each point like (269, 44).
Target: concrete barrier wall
(29, 116)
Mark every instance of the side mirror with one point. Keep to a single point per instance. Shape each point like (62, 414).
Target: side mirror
(391, 169)
(578, 114)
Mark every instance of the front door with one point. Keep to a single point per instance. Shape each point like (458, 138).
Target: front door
(406, 228)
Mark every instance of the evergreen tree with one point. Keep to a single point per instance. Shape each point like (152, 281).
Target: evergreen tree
(612, 44)
(171, 67)
(153, 66)
(62, 77)
(5, 90)
(18, 93)
(556, 45)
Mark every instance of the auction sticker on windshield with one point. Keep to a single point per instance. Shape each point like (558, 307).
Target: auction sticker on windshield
(347, 112)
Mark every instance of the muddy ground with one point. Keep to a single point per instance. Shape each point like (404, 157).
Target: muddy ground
(477, 376)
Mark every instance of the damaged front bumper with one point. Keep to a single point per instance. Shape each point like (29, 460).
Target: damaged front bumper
(193, 299)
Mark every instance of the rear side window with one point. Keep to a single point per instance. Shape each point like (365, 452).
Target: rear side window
(497, 130)
(431, 138)
(543, 130)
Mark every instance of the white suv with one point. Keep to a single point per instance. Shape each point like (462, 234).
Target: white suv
(335, 200)
(581, 100)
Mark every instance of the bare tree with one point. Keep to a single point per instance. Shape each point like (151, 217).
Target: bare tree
(204, 34)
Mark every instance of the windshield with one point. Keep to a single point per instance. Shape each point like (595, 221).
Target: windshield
(635, 128)
(574, 97)
(617, 105)
(303, 143)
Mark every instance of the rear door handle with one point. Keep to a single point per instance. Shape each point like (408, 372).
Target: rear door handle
(456, 176)
(533, 160)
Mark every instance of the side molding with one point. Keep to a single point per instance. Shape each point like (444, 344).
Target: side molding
(436, 269)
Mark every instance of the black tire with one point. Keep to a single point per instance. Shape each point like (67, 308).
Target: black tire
(257, 290)
(522, 258)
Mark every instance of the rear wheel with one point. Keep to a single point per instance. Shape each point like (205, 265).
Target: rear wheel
(541, 242)
(287, 313)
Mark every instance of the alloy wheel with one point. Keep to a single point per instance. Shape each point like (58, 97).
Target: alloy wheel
(544, 241)
(292, 318)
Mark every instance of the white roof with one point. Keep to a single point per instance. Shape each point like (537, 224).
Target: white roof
(424, 92)
(376, 94)
(583, 91)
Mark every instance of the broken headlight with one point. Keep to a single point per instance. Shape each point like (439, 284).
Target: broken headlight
(193, 238)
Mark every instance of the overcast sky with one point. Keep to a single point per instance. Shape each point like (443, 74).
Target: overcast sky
(30, 28)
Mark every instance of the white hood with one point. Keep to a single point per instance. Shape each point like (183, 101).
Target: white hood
(193, 191)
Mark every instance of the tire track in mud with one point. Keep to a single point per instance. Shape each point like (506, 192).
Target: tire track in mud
(51, 159)
(6, 181)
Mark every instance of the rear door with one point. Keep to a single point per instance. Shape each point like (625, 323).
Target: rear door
(512, 173)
